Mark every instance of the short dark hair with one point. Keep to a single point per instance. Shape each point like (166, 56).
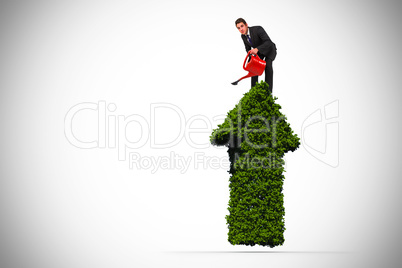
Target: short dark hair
(240, 20)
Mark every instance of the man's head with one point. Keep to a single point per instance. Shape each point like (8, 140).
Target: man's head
(241, 25)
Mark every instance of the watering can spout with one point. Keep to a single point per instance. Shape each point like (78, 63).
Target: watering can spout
(255, 67)
(246, 76)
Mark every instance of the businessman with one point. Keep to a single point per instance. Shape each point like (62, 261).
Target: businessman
(257, 40)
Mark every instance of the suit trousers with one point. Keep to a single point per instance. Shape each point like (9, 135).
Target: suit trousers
(269, 74)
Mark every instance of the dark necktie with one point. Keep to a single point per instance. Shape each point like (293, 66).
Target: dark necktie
(249, 39)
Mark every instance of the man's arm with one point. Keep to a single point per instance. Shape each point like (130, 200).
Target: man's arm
(266, 45)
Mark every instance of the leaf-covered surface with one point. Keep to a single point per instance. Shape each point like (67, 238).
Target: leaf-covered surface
(257, 136)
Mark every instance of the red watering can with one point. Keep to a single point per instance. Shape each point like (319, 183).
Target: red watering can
(255, 66)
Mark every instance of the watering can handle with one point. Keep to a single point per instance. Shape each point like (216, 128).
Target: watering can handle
(244, 63)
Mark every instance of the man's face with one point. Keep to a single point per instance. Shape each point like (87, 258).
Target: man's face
(242, 28)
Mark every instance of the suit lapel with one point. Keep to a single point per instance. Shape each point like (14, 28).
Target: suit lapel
(251, 32)
(251, 29)
(245, 39)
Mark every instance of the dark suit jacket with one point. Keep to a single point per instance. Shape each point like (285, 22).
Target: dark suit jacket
(260, 40)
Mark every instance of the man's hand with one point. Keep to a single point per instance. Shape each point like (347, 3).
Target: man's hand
(254, 51)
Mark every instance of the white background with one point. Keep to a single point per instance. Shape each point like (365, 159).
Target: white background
(63, 206)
